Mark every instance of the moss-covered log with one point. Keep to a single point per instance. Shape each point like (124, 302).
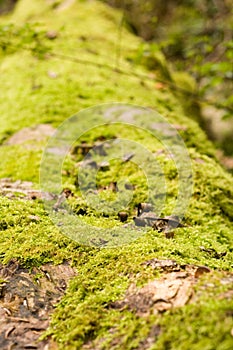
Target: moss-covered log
(159, 292)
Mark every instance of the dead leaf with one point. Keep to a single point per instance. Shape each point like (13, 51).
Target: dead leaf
(169, 234)
(104, 166)
(213, 252)
(123, 216)
(172, 290)
(22, 190)
(175, 288)
(201, 270)
(162, 264)
(128, 157)
(25, 304)
(144, 208)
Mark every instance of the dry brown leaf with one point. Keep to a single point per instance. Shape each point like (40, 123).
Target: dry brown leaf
(27, 300)
(173, 289)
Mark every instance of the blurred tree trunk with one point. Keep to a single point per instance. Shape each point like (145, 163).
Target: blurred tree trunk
(7, 5)
(144, 15)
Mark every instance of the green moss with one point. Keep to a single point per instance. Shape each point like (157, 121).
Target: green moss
(30, 97)
(19, 163)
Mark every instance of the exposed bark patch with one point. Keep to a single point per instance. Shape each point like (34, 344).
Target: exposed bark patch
(28, 136)
(22, 190)
(26, 301)
(173, 289)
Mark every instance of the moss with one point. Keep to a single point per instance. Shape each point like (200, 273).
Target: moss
(30, 97)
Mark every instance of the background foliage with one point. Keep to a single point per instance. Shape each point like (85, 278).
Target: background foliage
(195, 35)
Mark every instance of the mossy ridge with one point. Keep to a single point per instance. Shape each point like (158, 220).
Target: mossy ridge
(31, 97)
(104, 275)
